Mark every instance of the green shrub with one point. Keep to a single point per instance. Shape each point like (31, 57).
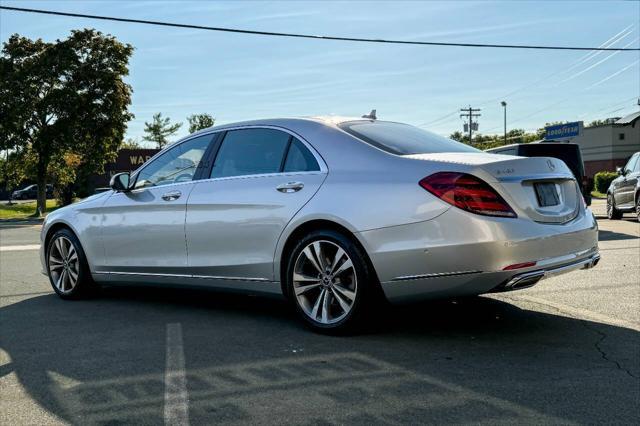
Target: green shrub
(602, 181)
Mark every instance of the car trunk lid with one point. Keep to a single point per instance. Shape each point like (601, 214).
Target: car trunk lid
(541, 188)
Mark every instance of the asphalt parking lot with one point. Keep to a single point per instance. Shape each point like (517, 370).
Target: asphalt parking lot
(564, 351)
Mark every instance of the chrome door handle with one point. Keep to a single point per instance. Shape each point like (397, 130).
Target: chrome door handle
(171, 196)
(290, 187)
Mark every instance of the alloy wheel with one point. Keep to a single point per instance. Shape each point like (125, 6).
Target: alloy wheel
(325, 282)
(64, 266)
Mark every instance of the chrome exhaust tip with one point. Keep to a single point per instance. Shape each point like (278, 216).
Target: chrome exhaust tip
(524, 281)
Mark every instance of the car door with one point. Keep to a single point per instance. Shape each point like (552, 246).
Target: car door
(625, 188)
(143, 229)
(260, 178)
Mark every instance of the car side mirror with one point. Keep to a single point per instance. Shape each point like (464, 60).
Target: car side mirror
(620, 171)
(120, 182)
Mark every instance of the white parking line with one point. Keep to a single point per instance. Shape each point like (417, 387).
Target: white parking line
(20, 248)
(176, 399)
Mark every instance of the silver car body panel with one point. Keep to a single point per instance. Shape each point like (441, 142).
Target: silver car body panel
(230, 232)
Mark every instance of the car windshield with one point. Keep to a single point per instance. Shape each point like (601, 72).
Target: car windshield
(402, 139)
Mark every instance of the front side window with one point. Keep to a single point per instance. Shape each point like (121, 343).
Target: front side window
(631, 164)
(402, 139)
(250, 152)
(178, 164)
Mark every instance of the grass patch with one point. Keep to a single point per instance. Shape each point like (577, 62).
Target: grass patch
(596, 194)
(23, 210)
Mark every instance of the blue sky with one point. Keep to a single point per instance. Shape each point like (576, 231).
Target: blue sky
(235, 77)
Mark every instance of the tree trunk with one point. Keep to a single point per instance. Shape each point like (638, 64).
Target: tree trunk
(41, 204)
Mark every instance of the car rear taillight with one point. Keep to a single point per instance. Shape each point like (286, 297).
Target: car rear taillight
(467, 192)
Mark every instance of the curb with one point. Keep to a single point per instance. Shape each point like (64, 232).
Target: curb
(25, 221)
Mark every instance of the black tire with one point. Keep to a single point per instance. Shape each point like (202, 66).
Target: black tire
(367, 294)
(612, 212)
(84, 285)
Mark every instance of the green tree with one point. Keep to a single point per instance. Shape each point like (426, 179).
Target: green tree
(159, 130)
(64, 98)
(131, 143)
(199, 122)
(457, 136)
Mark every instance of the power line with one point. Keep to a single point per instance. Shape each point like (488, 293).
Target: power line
(308, 36)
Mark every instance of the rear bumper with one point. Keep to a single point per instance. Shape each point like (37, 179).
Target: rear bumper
(529, 279)
(458, 253)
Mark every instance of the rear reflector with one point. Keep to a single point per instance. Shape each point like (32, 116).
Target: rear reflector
(519, 266)
(467, 192)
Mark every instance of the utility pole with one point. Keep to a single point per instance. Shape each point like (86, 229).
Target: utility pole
(470, 125)
(504, 105)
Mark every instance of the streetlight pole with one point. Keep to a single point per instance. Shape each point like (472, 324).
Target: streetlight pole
(504, 105)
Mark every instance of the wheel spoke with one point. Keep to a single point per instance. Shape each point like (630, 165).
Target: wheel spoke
(303, 289)
(307, 252)
(346, 265)
(317, 249)
(316, 306)
(73, 275)
(349, 294)
(60, 283)
(55, 267)
(344, 305)
(64, 247)
(304, 278)
(55, 260)
(58, 245)
(67, 280)
(336, 259)
(325, 306)
(72, 253)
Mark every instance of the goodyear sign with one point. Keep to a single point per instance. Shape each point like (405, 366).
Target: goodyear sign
(563, 131)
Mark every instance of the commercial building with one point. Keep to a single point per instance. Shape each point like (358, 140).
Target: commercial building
(609, 145)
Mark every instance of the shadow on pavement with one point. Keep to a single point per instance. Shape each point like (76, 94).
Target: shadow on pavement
(614, 236)
(249, 360)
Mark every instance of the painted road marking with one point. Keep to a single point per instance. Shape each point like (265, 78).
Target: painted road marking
(20, 248)
(176, 399)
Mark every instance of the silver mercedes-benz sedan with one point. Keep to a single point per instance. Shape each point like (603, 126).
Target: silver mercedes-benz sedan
(332, 213)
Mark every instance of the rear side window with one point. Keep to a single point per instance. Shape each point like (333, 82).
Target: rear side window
(250, 152)
(402, 139)
(300, 159)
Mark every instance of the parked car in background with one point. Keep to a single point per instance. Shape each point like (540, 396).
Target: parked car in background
(333, 213)
(31, 192)
(567, 152)
(623, 195)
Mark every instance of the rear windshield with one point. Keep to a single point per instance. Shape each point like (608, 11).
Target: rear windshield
(402, 139)
(569, 153)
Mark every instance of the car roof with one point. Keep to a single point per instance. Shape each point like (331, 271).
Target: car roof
(285, 122)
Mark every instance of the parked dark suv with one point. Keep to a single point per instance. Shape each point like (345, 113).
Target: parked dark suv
(623, 194)
(30, 192)
(567, 152)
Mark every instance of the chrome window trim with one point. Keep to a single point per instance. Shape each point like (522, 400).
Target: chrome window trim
(261, 175)
(321, 163)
